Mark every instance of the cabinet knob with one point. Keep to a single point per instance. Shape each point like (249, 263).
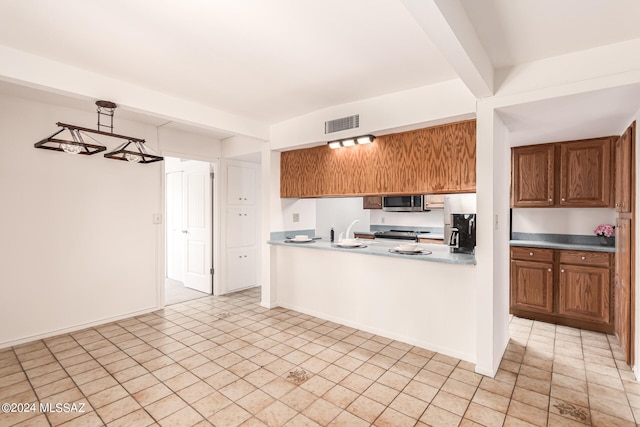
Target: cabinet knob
(562, 271)
(551, 200)
(617, 204)
(549, 270)
(583, 258)
(563, 199)
(530, 253)
(239, 198)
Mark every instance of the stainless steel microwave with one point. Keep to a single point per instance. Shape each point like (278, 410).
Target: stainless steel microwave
(403, 203)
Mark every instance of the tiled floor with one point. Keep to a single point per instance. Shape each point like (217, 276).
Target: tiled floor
(225, 361)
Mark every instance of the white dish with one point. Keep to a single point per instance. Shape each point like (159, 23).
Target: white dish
(301, 239)
(408, 247)
(403, 249)
(348, 244)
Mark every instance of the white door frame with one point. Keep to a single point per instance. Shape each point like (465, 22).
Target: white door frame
(215, 241)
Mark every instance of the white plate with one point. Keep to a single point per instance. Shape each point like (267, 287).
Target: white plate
(308, 239)
(348, 244)
(418, 249)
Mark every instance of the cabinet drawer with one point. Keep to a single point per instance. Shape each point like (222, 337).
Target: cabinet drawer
(594, 259)
(532, 254)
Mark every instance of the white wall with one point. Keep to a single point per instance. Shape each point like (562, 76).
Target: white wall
(339, 213)
(78, 245)
(433, 218)
(412, 109)
(561, 220)
(428, 304)
(190, 146)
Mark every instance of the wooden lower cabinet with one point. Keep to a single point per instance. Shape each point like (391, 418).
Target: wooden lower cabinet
(572, 288)
(585, 293)
(532, 286)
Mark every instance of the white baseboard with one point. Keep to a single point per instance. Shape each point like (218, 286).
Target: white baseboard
(76, 328)
(383, 333)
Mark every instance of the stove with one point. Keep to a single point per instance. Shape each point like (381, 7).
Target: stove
(398, 235)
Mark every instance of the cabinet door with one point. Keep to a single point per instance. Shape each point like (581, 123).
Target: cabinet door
(532, 286)
(241, 269)
(585, 173)
(532, 173)
(623, 285)
(584, 292)
(372, 202)
(623, 172)
(241, 185)
(434, 201)
(241, 226)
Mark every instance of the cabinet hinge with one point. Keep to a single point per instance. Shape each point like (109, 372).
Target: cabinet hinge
(212, 175)
(211, 271)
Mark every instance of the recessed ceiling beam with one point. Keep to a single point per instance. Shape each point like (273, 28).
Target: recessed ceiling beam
(447, 25)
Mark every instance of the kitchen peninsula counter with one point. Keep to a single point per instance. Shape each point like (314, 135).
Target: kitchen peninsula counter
(439, 253)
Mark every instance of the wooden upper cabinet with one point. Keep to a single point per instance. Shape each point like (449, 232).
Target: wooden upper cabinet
(585, 173)
(623, 174)
(434, 160)
(532, 176)
(563, 174)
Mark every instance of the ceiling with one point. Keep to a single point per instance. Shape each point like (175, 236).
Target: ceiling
(273, 60)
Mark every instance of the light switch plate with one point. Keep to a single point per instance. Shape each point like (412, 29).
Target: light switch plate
(296, 217)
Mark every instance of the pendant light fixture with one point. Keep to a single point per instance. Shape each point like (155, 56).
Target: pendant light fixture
(134, 150)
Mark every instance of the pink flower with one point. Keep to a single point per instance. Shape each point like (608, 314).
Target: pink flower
(604, 230)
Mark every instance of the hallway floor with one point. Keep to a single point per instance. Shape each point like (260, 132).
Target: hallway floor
(226, 361)
(176, 292)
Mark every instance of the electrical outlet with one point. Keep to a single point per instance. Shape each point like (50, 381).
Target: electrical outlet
(382, 220)
(296, 217)
(157, 218)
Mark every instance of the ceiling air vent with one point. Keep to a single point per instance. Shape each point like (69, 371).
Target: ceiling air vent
(344, 123)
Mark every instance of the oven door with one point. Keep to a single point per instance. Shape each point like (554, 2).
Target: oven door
(402, 203)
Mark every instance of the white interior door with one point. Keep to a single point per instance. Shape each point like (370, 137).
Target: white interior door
(175, 236)
(197, 230)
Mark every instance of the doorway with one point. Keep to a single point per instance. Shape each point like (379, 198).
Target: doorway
(189, 243)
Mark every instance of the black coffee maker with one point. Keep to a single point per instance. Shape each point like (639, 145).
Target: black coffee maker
(463, 233)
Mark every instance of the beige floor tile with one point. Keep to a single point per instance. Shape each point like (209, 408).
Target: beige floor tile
(484, 416)
(491, 400)
(569, 395)
(347, 419)
(211, 404)
(136, 418)
(458, 388)
(570, 411)
(165, 406)
(599, 419)
(301, 421)
(409, 405)
(435, 416)
(152, 394)
(276, 414)
(117, 409)
(366, 408)
(450, 402)
(322, 411)
(107, 396)
(528, 413)
(381, 393)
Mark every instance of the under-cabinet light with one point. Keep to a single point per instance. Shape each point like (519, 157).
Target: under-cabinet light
(350, 142)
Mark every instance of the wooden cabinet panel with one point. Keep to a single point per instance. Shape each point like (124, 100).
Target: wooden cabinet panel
(584, 292)
(432, 241)
(532, 286)
(623, 285)
(585, 173)
(433, 201)
(596, 259)
(532, 176)
(532, 254)
(372, 202)
(623, 174)
(440, 159)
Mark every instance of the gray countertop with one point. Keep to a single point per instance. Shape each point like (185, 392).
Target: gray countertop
(554, 245)
(440, 253)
